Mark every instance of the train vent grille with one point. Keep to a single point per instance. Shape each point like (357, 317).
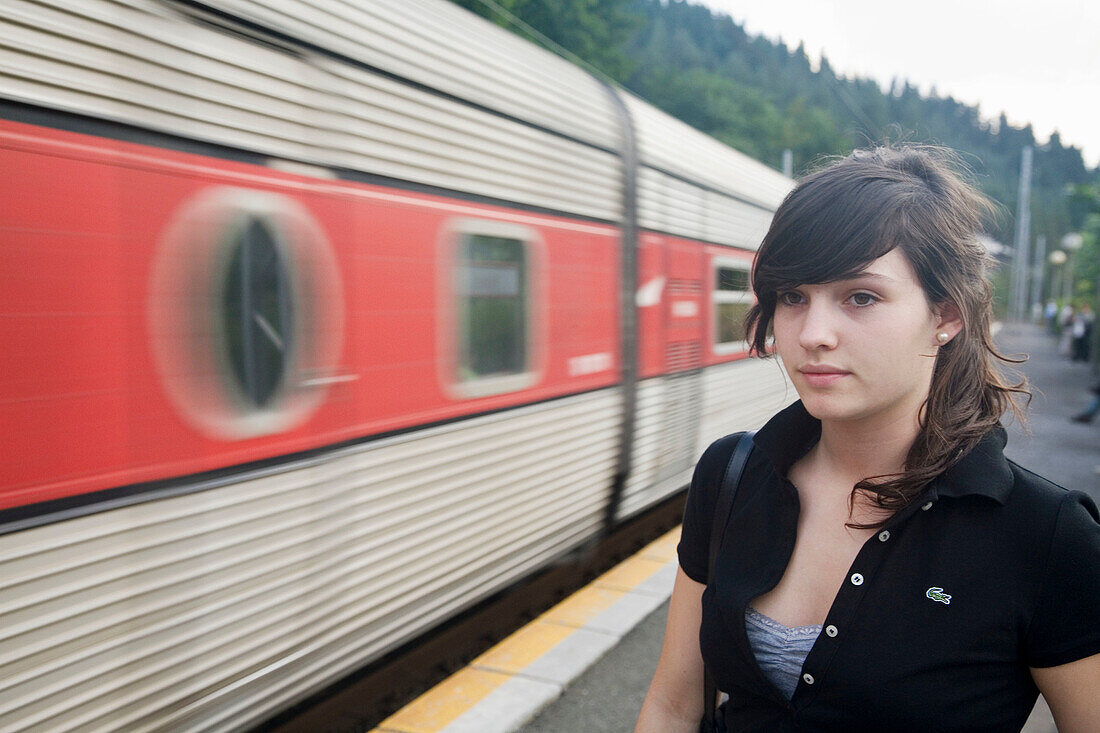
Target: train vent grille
(682, 408)
(683, 286)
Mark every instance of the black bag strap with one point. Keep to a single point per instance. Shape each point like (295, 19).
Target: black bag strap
(722, 508)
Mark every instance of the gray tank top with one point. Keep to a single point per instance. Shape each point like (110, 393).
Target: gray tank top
(780, 650)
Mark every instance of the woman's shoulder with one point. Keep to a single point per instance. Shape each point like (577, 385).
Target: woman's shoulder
(1058, 539)
(701, 501)
(986, 473)
(712, 464)
(1034, 493)
(1037, 501)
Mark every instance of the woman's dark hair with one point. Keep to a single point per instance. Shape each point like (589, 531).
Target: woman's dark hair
(841, 218)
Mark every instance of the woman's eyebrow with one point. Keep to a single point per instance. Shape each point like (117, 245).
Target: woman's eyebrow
(870, 276)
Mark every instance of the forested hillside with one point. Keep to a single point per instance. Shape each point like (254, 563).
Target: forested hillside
(762, 97)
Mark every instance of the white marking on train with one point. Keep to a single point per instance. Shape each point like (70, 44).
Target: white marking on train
(685, 308)
(268, 329)
(650, 293)
(589, 364)
(321, 381)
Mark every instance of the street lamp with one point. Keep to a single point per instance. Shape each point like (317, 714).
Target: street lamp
(1070, 243)
(1056, 258)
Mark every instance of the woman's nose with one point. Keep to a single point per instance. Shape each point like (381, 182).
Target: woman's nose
(819, 327)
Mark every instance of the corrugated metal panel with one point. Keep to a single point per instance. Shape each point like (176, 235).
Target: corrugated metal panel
(436, 43)
(668, 204)
(108, 60)
(732, 222)
(653, 203)
(741, 395)
(667, 143)
(122, 61)
(645, 461)
(388, 128)
(202, 612)
(665, 425)
(681, 410)
(687, 209)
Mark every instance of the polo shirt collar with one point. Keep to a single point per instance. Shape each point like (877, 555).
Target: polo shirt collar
(788, 436)
(984, 471)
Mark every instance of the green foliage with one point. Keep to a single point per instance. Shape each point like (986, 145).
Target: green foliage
(1086, 202)
(596, 31)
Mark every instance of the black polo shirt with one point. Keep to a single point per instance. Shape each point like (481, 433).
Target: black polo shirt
(990, 571)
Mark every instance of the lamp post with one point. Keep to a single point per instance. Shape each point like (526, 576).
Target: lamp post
(1058, 259)
(1070, 244)
(1022, 244)
(1037, 278)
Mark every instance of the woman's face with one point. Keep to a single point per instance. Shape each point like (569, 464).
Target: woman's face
(861, 348)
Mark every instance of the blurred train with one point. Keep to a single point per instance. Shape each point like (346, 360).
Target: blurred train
(322, 320)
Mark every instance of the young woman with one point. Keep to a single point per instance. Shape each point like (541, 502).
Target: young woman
(884, 566)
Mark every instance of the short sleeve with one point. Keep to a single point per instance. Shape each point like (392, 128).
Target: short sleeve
(1066, 623)
(694, 547)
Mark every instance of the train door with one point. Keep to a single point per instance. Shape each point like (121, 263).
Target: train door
(683, 358)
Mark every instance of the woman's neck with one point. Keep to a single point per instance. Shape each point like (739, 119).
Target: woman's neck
(860, 449)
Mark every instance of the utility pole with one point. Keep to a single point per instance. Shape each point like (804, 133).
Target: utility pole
(1022, 255)
(1037, 276)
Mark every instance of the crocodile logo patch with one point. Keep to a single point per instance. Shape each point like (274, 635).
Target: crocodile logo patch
(937, 594)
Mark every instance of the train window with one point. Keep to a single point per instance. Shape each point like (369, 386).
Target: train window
(246, 312)
(257, 313)
(491, 328)
(492, 307)
(731, 300)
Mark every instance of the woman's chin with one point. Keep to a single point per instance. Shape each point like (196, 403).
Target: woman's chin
(831, 407)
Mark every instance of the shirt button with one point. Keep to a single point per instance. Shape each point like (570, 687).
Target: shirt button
(927, 506)
(857, 579)
(808, 678)
(884, 535)
(831, 630)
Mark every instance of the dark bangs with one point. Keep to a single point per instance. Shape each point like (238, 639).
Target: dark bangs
(830, 227)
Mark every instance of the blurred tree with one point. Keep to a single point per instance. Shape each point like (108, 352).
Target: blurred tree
(1086, 198)
(597, 31)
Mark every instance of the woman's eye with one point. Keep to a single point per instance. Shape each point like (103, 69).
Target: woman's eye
(790, 298)
(862, 299)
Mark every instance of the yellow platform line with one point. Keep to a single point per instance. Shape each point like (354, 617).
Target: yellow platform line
(435, 709)
(440, 706)
(517, 651)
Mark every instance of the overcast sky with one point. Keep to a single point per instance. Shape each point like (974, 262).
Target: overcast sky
(1039, 62)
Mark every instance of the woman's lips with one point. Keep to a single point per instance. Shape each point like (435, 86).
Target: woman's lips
(822, 376)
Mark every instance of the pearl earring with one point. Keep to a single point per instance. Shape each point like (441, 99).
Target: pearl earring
(942, 337)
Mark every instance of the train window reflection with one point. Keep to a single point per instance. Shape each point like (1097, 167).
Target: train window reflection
(257, 313)
(493, 307)
(731, 299)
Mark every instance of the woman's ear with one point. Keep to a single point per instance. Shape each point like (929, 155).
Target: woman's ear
(950, 322)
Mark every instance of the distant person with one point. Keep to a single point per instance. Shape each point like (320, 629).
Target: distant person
(883, 567)
(1050, 316)
(1092, 409)
(1081, 332)
(1065, 326)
